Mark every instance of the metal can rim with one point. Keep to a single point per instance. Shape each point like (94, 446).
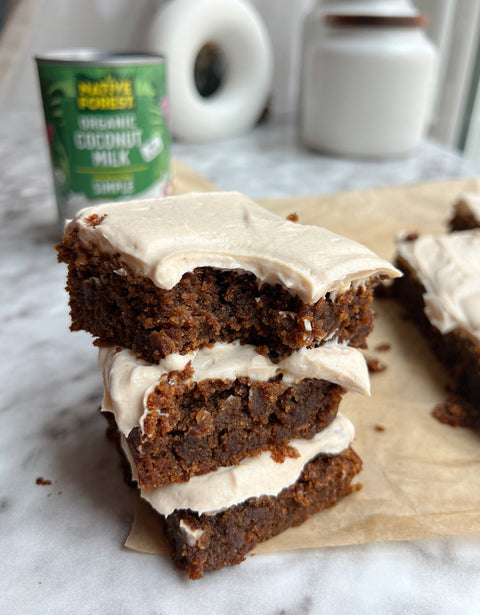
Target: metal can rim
(97, 57)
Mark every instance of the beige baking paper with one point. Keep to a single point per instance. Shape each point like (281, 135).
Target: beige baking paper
(420, 478)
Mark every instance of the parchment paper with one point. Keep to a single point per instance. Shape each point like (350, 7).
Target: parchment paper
(420, 478)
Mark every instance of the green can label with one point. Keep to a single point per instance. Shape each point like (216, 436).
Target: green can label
(107, 128)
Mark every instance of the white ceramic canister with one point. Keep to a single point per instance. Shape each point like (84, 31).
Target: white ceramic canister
(368, 73)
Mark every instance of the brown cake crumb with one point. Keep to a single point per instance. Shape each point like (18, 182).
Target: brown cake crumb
(380, 428)
(375, 366)
(280, 453)
(457, 412)
(43, 481)
(293, 217)
(95, 219)
(383, 347)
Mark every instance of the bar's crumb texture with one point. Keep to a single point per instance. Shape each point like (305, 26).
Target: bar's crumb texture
(457, 412)
(207, 305)
(225, 539)
(195, 428)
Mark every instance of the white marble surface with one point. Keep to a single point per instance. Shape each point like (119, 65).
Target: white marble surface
(61, 544)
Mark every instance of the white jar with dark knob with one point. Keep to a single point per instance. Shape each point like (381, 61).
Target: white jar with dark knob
(368, 73)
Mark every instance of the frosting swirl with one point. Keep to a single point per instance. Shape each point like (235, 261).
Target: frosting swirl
(449, 268)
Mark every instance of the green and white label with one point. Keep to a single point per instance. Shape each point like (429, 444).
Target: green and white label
(108, 132)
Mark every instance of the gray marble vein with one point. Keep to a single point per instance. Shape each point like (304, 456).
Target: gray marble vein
(272, 164)
(61, 543)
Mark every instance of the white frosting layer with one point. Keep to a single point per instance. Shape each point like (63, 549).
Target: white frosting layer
(449, 268)
(167, 237)
(129, 381)
(253, 477)
(471, 202)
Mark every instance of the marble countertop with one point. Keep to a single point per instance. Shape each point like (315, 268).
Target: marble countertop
(61, 543)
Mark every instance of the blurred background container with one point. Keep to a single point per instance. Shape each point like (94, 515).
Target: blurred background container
(32, 26)
(368, 76)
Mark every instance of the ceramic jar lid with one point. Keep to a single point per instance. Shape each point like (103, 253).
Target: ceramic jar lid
(392, 21)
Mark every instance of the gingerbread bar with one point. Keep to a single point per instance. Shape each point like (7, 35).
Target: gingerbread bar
(441, 292)
(179, 273)
(192, 414)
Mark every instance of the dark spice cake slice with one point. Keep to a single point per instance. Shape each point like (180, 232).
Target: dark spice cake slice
(179, 273)
(466, 212)
(199, 543)
(215, 519)
(192, 414)
(441, 291)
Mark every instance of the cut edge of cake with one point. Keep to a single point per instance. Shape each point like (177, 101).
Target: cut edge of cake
(190, 414)
(234, 271)
(440, 289)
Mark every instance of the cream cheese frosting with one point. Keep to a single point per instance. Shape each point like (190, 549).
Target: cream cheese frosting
(449, 268)
(191, 535)
(164, 238)
(253, 477)
(129, 381)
